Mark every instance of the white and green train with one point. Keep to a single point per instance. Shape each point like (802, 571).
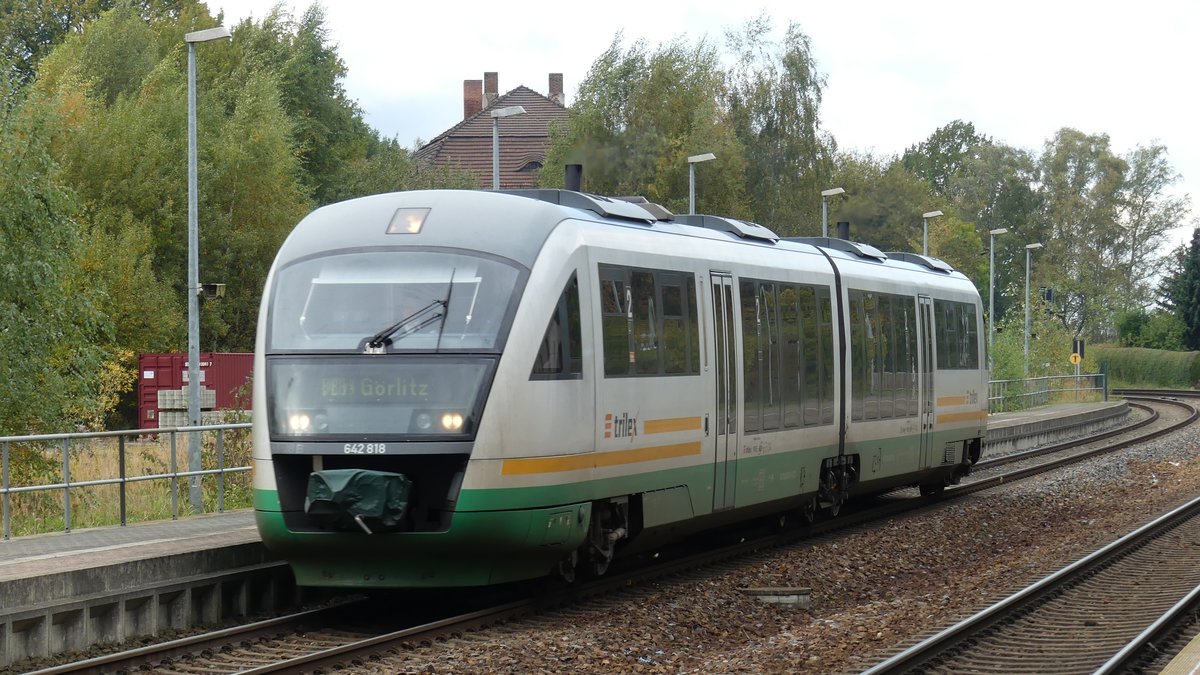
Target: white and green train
(460, 388)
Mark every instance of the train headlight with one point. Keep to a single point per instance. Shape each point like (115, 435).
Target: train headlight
(452, 421)
(299, 423)
(439, 422)
(407, 221)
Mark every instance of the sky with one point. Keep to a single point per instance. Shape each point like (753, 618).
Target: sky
(896, 71)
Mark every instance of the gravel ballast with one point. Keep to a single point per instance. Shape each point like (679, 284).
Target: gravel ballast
(874, 590)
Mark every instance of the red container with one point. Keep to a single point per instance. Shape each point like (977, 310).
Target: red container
(224, 373)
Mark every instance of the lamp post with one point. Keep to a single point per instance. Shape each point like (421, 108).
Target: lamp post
(692, 162)
(825, 195)
(925, 230)
(1028, 253)
(992, 289)
(193, 292)
(496, 115)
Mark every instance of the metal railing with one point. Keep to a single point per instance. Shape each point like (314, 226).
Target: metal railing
(1012, 395)
(65, 444)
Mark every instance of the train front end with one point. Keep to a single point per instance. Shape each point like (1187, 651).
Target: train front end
(381, 329)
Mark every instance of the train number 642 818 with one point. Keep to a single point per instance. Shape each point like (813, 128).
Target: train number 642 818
(364, 448)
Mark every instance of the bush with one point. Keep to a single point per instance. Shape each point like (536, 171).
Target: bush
(1138, 366)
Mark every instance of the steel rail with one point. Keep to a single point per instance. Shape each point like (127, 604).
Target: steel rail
(1162, 627)
(946, 639)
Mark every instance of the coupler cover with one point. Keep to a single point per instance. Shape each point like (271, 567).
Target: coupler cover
(340, 497)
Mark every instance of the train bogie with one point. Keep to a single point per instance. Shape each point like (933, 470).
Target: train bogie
(464, 388)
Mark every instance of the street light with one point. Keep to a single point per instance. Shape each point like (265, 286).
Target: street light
(496, 115)
(825, 195)
(692, 162)
(1028, 251)
(992, 289)
(218, 33)
(925, 230)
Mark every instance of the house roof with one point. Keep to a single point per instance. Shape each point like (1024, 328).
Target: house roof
(523, 140)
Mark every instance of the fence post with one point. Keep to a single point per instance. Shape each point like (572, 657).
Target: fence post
(66, 485)
(220, 471)
(4, 503)
(121, 464)
(174, 478)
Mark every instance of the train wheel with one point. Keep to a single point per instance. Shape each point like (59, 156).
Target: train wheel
(809, 511)
(932, 489)
(566, 567)
(780, 523)
(835, 486)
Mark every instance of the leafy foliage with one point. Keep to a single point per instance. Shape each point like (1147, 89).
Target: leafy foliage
(773, 98)
(1182, 291)
(50, 327)
(1139, 366)
(638, 116)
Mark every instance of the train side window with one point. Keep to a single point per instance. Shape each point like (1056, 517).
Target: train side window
(957, 335)
(791, 362)
(772, 373)
(649, 322)
(857, 356)
(646, 325)
(751, 354)
(886, 358)
(560, 355)
(825, 353)
(883, 352)
(615, 319)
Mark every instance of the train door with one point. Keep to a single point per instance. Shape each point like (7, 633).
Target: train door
(927, 413)
(725, 464)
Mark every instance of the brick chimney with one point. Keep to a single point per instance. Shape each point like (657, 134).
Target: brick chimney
(472, 98)
(491, 86)
(556, 89)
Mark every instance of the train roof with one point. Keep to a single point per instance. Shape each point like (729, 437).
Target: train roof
(359, 223)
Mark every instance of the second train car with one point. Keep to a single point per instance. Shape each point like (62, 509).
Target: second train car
(458, 388)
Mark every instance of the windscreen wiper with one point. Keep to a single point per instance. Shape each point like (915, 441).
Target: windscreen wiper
(379, 341)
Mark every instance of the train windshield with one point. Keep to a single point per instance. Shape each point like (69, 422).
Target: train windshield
(340, 302)
(368, 397)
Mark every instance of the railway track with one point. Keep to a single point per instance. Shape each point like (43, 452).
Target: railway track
(323, 639)
(1097, 615)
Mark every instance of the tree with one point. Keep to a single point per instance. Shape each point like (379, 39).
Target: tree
(994, 188)
(884, 202)
(1084, 257)
(51, 330)
(388, 167)
(773, 97)
(944, 155)
(638, 116)
(122, 148)
(1182, 291)
(1148, 214)
(29, 30)
(327, 127)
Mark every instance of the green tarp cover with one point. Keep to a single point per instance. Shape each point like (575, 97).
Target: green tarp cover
(341, 494)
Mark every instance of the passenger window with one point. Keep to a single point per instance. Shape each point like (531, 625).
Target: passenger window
(649, 321)
(560, 355)
(883, 354)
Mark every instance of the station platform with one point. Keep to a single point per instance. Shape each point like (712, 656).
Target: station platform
(1187, 661)
(66, 591)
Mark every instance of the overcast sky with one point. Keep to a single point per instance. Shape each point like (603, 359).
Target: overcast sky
(1018, 70)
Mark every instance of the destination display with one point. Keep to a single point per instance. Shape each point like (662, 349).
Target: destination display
(390, 396)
